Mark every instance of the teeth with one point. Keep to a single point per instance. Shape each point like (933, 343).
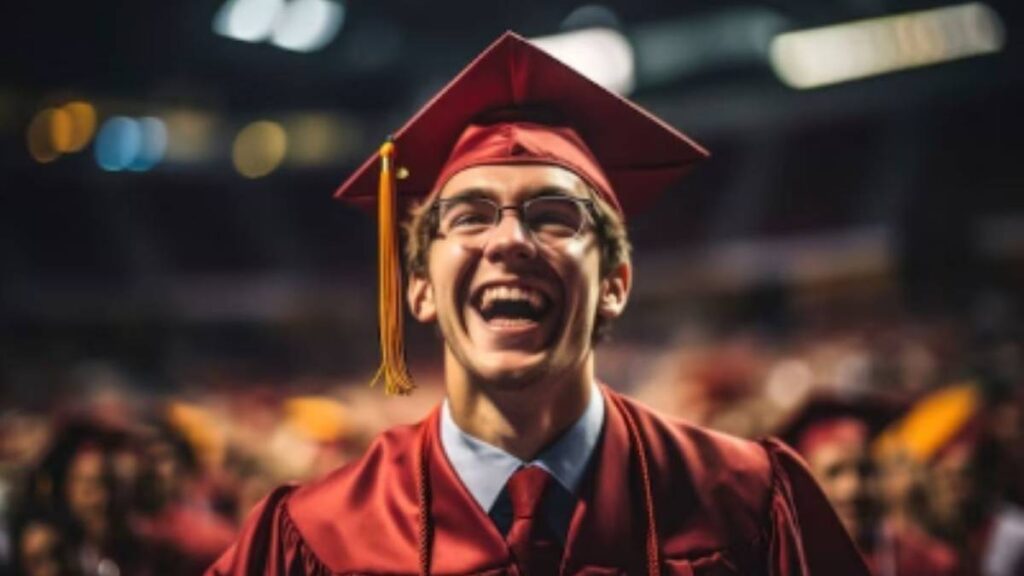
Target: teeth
(534, 298)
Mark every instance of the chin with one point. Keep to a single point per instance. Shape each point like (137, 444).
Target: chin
(509, 371)
(519, 371)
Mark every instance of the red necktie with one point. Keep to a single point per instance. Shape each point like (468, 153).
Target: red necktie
(535, 550)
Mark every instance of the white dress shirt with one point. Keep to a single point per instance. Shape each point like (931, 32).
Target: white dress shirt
(485, 469)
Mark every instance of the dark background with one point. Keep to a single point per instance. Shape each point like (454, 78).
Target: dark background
(891, 199)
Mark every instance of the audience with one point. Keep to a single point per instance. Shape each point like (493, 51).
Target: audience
(925, 475)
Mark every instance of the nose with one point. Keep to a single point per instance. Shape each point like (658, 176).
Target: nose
(510, 239)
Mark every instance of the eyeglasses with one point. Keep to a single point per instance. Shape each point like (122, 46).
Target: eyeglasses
(549, 219)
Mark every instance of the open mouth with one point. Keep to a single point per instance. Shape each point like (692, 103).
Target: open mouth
(512, 305)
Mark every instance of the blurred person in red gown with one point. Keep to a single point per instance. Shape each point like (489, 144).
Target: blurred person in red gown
(524, 171)
(175, 515)
(964, 505)
(834, 436)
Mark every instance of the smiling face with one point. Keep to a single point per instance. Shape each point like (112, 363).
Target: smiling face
(514, 309)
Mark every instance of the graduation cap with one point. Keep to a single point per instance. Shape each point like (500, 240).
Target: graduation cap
(513, 104)
(937, 422)
(825, 419)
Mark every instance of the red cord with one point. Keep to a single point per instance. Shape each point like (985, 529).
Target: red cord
(426, 533)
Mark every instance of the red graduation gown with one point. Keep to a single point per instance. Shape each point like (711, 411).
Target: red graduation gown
(660, 497)
(909, 551)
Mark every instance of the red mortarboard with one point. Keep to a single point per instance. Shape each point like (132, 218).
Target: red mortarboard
(513, 104)
(825, 419)
(640, 154)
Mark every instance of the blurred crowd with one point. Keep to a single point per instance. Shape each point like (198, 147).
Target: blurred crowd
(914, 430)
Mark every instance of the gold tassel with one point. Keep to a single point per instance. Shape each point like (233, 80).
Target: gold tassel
(393, 370)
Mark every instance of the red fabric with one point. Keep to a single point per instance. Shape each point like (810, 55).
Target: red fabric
(830, 431)
(535, 550)
(526, 142)
(909, 551)
(722, 506)
(184, 539)
(640, 155)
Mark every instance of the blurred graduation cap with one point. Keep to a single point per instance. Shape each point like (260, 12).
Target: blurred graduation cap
(513, 104)
(934, 424)
(825, 419)
(318, 418)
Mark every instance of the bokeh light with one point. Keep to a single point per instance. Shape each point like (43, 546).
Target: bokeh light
(190, 135)
(82, 118)
(601, 54)
(39, 137)
(57, 131)
(259, 149)
(118, 143)
(839, 53)
(308, 25)
(248, 20)
(152, 144)
(61, 130)
(316, 139)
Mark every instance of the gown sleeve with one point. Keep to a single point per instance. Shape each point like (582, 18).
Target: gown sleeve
(268, 545)
(805, 537)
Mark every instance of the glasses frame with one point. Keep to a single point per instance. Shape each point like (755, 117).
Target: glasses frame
(586, 204)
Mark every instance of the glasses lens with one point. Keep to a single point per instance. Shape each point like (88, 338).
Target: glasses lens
(466, 216)
(554, 218)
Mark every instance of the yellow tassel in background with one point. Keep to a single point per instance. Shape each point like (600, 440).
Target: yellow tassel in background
(393, 370)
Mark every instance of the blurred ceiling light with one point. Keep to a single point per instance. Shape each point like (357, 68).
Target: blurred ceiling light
(307, 25)
(39, 137)
(248, 20)
(189, 135)
(82, 118)
(259, 149)
(601, 54)
(118, 143)
(152, 144)
(833, 54)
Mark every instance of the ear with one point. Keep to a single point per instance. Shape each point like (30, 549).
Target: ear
(615, 291)
(420, 294)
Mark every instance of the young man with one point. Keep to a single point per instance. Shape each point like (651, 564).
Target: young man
(518, 253)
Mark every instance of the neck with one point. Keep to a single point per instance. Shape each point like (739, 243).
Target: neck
(522, 418)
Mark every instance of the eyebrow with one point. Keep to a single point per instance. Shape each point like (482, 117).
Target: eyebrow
(543, 191)
(550, 190)
(469, 194)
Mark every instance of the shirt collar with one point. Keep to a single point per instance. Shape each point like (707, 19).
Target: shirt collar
(485, 469)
